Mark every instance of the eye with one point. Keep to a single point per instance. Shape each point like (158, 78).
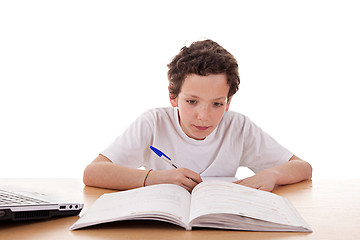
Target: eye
(216, 104)
(191, 101)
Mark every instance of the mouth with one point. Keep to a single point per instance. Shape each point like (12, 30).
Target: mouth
(201, 128)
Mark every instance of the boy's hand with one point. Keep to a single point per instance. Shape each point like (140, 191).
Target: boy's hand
(264, 180)
(179, 176)
(292, 171)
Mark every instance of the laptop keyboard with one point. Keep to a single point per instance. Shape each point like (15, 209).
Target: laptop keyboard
(15, 199)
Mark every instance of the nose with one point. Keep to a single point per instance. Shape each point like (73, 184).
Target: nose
(203, 113)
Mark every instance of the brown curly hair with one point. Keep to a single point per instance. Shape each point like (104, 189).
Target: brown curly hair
(202, 58)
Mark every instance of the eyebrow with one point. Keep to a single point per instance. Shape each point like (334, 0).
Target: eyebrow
(215, 99)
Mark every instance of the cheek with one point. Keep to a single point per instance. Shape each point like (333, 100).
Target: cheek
(218, 116)
(185, 114)
(188, 114)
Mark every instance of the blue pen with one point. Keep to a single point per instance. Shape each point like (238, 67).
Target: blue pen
(163, 156)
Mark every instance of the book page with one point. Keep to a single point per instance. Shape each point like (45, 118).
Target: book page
(164, 202)
(212, 197)
(226, 179)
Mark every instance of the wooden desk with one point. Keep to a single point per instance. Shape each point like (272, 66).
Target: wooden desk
(330, 207)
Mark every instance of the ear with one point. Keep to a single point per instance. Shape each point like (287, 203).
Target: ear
(173, 100)
(228, 104)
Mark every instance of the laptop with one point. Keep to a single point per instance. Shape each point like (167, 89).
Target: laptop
(20, 206)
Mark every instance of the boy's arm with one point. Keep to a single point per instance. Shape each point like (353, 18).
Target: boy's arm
(293, 171)
(105, 174)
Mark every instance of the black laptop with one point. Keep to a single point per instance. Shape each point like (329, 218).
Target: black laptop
(19, 206)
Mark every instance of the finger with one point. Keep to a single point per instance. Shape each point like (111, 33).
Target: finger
(187, 188)
(195, 177)
(243, 182)
(249, 184)
(196, 181)
(190, 183)
(264, 188)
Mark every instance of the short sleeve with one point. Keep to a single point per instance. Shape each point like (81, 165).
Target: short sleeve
(260, 150)
(130, 148)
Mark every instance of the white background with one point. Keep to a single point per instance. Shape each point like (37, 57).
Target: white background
(74, 74)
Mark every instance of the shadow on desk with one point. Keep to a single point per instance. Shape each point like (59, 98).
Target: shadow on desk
(147, 229)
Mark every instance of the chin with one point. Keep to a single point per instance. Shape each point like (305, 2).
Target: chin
(200, 136)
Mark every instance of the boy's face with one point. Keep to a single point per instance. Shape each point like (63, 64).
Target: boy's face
(202, 102)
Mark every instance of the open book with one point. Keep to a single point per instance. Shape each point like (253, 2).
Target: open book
(213, 204)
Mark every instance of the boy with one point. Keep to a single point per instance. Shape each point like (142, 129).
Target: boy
(198, 132)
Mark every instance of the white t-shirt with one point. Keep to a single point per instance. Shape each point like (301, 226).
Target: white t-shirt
(237, 141)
